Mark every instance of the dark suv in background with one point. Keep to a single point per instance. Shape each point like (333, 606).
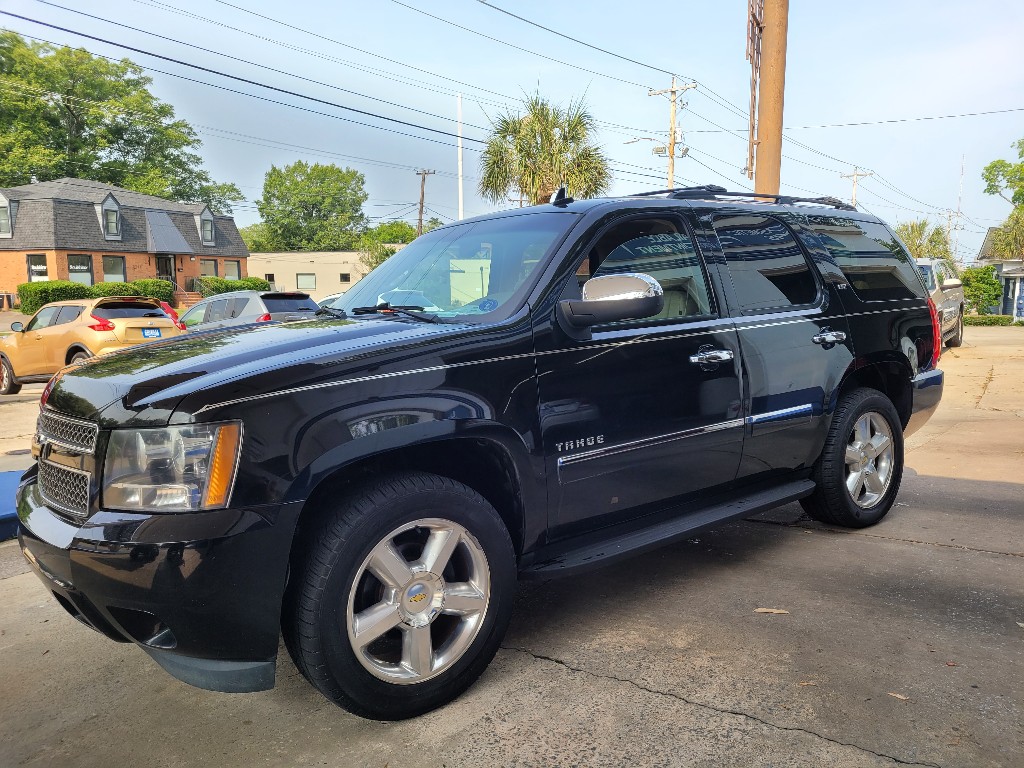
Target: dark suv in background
(582, 381)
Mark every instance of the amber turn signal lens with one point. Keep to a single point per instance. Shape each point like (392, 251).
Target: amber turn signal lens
(222, 466)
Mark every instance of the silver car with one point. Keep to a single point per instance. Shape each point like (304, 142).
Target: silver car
(244, 307)
(946, 290)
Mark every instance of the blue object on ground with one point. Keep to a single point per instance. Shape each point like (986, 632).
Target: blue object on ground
(8, 511)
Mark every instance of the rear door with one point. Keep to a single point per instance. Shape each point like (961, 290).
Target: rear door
(64, 328)
(633, 415)
(793, 332)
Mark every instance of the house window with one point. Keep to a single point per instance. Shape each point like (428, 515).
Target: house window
(37, 268)
(305, 281)
(111, 222)
(80, 269)
(269, 277)
(208, 267)
(110, 218)
(232, 270)
(114, 270)
(346, 277)
(5, 220)
(208, 231)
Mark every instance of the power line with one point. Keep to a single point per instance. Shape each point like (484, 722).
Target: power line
(256, 64)
(243, 79)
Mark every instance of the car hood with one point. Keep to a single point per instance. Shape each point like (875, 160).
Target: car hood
(146, 385)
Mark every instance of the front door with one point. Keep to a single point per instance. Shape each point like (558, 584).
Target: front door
(631, 417)
(165, 268)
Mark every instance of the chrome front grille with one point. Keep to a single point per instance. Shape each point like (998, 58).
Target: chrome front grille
(71, 433)
(63, 488)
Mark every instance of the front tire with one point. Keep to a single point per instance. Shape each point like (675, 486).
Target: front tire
(861, 466)
(8, 384)
(403, 598)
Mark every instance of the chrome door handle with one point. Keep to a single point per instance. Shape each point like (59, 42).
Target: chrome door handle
(711, 356)
(829, 337)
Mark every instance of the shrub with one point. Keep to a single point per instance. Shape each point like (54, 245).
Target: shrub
(34, 295)
(162, 290)
(988, 319)
(115, 289)
(982, 288)
(252, 284)
(211, 286)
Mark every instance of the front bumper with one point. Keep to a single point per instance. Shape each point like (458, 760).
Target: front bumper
(200, 592)
(926, 392)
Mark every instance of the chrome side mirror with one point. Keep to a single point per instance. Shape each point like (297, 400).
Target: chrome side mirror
(606, 299)
(951, 282)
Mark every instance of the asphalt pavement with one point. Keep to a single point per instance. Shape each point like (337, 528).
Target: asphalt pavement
(902, 644)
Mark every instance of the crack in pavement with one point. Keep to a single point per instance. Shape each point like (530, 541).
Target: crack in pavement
(832, 532)
(702, 705)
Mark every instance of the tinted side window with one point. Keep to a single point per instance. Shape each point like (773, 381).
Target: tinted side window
(283, 303)
(43, 318)
(68, 315)
(670, 258)
(236, 307)
(767, 266)
(871, 257)
(217, 310)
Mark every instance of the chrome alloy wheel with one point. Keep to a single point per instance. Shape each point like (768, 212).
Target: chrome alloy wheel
(869, 460)
(418, 601)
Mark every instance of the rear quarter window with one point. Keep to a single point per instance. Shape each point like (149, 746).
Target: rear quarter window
(873, 260)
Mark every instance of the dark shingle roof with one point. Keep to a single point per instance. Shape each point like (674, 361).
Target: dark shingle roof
(63, 214)
(85, 191)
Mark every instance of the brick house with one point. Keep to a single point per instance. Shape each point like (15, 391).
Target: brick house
(88, 232)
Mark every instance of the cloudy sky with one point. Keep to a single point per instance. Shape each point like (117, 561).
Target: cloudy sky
(865, 62)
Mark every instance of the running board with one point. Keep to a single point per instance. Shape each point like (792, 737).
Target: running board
(591, 554)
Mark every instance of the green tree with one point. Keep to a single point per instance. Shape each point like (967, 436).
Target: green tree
(258, 238)
(1008, 242)
(377, 245)
(927, 241)
(313, 207)
(65, 112)
(1006, 179)
(982, 288)
(431, 224)
(534, 153)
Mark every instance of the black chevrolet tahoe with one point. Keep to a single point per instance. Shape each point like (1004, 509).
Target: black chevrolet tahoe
(516, 396)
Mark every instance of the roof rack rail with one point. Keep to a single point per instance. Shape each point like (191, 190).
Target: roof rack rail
(713, 190)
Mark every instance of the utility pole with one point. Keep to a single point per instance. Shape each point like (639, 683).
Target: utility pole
(460, 158)
(771, 95)
(423, 190)
(755, 28)
(857, 174)
(673, 93)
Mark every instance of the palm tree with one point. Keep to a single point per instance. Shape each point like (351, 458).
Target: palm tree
(927, 241)
(535, 153)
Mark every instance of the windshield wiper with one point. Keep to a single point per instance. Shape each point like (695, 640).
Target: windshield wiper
(338, 313)
(407, 310)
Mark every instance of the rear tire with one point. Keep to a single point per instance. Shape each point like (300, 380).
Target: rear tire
(958, 336)
(8, 384)
(79, 357)
(403, 597)
(860, 468)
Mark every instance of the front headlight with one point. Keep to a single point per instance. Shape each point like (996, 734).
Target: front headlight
(173, 469)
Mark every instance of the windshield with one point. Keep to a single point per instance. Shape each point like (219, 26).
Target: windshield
(928, 275)
(464, 270)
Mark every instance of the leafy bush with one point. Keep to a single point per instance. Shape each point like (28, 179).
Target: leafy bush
(34, 295)
(162, 290)
(252, 284)
(211, 286)
(988, 320)
(114, 289)
(982, 288)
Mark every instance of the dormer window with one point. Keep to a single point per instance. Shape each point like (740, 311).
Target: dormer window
(8, 213)
(206, 230)
(110, 218)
